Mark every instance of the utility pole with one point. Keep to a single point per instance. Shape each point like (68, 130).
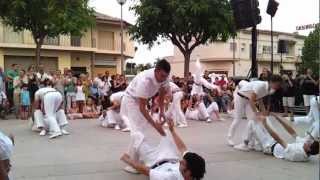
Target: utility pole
(254, 65)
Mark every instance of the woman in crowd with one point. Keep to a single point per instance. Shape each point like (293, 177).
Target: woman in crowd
(80, 96)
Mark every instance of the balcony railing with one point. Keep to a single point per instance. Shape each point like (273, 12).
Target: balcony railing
(76, 41)
(51, 41)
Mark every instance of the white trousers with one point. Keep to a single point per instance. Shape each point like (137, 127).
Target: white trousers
(201, 112)
(150, 154)
(52, 102)
(288, 101)
(307, 99)
(40, 123)
(112, 118)
(241, 108)
(131, 114)
(260, 136)
(175, 111)
(312, 119)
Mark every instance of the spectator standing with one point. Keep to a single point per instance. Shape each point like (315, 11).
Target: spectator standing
(70, 89)
(58, 82)
(33, 82)
(2, 80)
(10, 75)
(42, 76)
(25, 102)
(80, 96)
(18, 81)
(289, 88)
(105, 91)
(309, 88)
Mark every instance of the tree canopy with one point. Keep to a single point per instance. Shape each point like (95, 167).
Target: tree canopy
(187, 23)
(47, 18)
(310, 51)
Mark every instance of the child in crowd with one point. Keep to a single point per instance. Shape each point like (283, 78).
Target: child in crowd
(90, 110)
(80, 96)
(73, 112)
(25, 102)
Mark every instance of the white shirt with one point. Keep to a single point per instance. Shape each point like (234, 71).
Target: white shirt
(117, 96)
(167, 171)
(173, 87)
(43, 76)
(41, 92)
(293, 152)
(145, 85)
(6, 147)
(260, 88)
(3, 97)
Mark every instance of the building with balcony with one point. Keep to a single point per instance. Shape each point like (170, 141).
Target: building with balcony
(98, 50)
(233, 57)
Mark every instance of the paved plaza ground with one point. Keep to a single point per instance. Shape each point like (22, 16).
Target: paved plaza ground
(92, 153)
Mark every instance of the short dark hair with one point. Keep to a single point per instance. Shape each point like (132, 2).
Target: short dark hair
(275, 78)
(163, 65)
(195, 164)
(314, 148)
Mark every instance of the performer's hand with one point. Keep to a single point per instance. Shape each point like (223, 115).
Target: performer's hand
(126, 158)
(170, 124)
(162, 118)
(159, 128)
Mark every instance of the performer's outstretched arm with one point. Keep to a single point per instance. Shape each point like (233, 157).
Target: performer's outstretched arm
(286, 126)
(144, 111)
(208, 85)
(178, 141)
(141, 168)
(273, 134)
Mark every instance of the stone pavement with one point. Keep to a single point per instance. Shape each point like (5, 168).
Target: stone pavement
(92, 152)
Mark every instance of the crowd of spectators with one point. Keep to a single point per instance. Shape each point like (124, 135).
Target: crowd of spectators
(83, 95)
(87, 98)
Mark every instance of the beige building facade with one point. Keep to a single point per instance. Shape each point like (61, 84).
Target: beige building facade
(233, 57)
(98, 50)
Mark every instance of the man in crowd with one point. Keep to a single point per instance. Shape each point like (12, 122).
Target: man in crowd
(144, 86)
(246, 97)
(162, 162)
(10, 75)
(6, 148)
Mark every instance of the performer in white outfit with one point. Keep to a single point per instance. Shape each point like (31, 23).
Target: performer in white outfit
(246, 96)
(169, 160)
(144, 86)
(313, 117)
(6, 148)
(273, 144)
(199, 81)
(175, 110)
(50, 115)
(198, 111)
(112, 118)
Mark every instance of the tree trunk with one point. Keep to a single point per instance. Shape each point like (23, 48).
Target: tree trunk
(186, 63)
(38, 51)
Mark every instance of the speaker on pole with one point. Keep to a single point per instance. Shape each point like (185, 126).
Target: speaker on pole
(272, 7)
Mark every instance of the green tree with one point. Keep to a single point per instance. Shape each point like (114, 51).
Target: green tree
(47, 18)
(310, 51)
(187, 23)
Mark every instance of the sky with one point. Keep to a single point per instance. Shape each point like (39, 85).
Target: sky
(290, 14)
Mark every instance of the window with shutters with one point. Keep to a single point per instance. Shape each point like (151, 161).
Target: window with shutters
(106, 40)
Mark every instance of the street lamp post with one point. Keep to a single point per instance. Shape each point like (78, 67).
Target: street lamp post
(122, 2)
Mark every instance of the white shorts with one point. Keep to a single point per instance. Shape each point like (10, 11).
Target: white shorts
(288, 101)
(306, 99)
